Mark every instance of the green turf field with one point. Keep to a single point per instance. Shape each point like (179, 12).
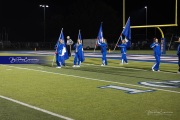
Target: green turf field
(91, 92)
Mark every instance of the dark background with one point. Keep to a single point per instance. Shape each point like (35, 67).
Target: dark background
(23, 20)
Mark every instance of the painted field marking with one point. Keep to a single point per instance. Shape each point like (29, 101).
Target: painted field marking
(36, 108)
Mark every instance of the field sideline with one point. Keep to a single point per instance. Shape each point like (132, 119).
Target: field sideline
(91, 92)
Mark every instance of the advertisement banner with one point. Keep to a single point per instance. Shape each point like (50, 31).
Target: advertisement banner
(22, 59)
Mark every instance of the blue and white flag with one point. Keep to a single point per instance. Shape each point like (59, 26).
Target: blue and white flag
(127, 32)
(60, 37)
(100, 34)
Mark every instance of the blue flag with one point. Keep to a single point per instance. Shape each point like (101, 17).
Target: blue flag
(66, 56)
(127, 32)
(61, 36)
(100, 34)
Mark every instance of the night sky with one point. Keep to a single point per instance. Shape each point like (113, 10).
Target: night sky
(23, 20)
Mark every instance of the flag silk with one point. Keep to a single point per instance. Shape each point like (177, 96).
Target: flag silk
(127, 32)
(57, 43)
(61, 36)
(100, 34)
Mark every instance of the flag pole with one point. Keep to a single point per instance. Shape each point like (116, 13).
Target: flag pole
(95, 46)
(56, 49)
(53, 60)
(117, 43)
(79, 33)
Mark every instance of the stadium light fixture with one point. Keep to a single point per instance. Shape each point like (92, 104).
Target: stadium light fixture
(146, 21)
(44, 6)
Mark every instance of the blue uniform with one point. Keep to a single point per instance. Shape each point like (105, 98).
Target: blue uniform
(60, 54)
(79, 54)
(178, 53)
(157, 55)
(104, 52)
(123, 47)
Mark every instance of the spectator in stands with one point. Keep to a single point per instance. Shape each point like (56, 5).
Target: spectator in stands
(103, 46)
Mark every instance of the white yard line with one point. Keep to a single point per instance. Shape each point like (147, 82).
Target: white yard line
(120, 66)
(36, 108)
(94, 79)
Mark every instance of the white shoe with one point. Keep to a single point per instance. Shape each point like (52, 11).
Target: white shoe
(102, 65)
(158, 70)
(58, 67)
(178, 72)
(78, 66)
(74, 66)
(153, 70)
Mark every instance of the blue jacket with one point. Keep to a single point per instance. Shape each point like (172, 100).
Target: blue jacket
(156, 48)
(123, 47)
(103, 47)
(61, 49)
(79, 50)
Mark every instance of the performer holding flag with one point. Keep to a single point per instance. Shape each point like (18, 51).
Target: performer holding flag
(126, 42)
(66, 56)
(102, 43)
(157, 54)
(123, 47)
(61, 51)
(79, 54)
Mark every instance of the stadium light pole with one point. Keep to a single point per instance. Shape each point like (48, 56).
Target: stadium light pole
(146, 21)
(44, 6)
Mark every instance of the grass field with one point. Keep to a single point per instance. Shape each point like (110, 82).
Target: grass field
(90, 92)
